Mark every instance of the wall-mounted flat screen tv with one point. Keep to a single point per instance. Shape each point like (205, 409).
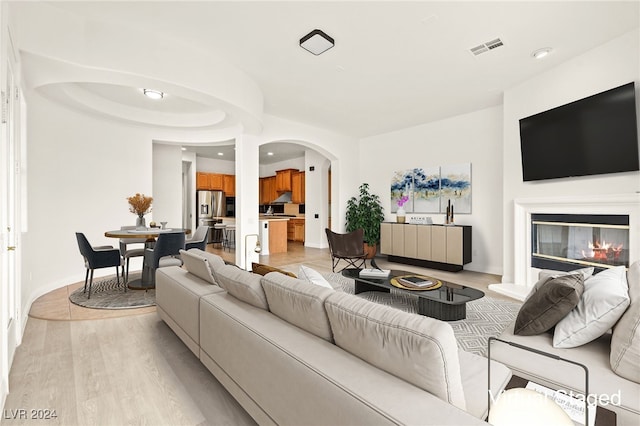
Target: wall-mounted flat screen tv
(591, 136)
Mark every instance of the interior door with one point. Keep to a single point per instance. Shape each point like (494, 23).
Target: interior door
(9, 218)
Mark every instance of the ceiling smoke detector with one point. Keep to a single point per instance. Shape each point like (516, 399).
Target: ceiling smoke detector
(485, 47)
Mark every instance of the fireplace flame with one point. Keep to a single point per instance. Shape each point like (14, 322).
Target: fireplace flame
(602, 251)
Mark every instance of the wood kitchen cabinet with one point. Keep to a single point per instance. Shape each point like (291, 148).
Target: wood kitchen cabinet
(210, 181)
(229, 185)
(283, 180)
(295, 230)
(268, 190)
(297, 187)
(434, 246)
(202, 180)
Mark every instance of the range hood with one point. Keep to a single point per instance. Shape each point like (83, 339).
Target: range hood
(283, 198)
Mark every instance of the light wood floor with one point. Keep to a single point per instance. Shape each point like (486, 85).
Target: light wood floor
(55, 305)
(96, 369)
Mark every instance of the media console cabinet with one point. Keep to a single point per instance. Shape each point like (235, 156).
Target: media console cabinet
(430, 246)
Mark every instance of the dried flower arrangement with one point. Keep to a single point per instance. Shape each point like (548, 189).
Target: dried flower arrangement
(140, 204)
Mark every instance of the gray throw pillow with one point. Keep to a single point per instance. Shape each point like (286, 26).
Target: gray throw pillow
(552, 301)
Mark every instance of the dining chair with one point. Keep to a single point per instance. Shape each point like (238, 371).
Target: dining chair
(166, 252)
(198, 239)
(98, 257)
(348, 247)
(127, 253)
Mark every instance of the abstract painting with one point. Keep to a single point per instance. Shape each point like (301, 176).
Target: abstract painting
(430, 189)
(455, 185)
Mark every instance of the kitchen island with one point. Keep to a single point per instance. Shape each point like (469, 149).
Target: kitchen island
(273, 234)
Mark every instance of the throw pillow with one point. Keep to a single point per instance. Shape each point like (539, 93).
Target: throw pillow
(625, 341)
(550, 273)
(552, 301)
(605, 298)
(313, 276)
(197, 265)
(261, 269)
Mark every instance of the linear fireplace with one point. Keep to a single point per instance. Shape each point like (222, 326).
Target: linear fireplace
(568, 241)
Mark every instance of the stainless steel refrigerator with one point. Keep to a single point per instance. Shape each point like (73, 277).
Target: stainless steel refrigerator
(211, 206)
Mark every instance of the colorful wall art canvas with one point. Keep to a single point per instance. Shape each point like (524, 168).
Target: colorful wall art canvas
(426, 192)
(455, 185)
(402, 184)
(430, 189)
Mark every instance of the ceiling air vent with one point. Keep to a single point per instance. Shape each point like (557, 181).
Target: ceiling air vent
(485, 47)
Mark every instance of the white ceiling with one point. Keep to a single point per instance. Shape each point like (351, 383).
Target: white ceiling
(395, 64)
(281, 151)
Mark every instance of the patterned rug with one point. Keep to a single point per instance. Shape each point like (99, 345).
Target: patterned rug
(106, 294)
(486, 317)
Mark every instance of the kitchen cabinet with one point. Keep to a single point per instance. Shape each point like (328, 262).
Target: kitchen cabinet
(202, 180)
(297, 187)
(210, 181)
(268, 190)
(295, 230)
(283, 180)
(435, 246)
(229, 185)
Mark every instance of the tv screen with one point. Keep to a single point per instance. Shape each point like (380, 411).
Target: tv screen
(594, 135)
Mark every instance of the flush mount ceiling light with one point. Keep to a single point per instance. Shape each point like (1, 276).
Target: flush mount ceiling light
(316, 42)
(541, 53)
(153, 94)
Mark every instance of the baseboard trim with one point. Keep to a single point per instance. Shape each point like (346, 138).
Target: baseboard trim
(518, 292)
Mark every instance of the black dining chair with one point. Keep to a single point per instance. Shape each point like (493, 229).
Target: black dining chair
(166, 252)
(98, 257)
(348, 247)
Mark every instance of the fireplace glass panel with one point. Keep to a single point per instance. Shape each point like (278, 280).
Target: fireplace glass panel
(570, 241)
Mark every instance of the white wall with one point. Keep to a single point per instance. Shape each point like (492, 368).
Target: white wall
(474, 138)
(167, 185)
(316, 199)
(267, 170)
(213, 165)
(607, 66)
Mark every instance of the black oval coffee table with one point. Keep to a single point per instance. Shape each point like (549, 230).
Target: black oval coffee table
(446, 303)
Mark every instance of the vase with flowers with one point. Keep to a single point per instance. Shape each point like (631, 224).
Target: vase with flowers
(140, 205)
(400, 213)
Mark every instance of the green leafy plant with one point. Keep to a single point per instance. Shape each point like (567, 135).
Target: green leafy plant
(365, 212)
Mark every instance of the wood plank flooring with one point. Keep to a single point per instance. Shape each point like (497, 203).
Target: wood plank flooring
(126, 367)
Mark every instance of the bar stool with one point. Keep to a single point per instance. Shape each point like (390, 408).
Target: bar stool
(229, 237)
(218, 234)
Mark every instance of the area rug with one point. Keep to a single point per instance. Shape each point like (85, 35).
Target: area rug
(106, 294)
(486, 317)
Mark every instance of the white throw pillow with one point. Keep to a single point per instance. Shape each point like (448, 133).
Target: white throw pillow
(313, 276)
(605, 298)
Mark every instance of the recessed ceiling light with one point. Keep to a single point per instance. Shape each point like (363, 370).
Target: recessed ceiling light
(221, 153)
(184, 149)
(153, 94)
(541, 53)
(317, 42)
(269, 153)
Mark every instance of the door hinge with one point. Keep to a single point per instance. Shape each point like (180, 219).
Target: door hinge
(5, 105)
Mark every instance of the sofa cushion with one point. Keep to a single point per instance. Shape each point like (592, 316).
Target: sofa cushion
(214, 260)
(197, 265)
(299, 303)
(418, 349)
(625, 341)
(605, 298)
(242, 285)
(261, 269)
(313, 276)
(549, 303)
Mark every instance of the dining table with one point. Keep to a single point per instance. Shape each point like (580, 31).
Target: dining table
(150, 235)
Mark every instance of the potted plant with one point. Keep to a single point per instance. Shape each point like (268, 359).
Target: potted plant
(366, 212)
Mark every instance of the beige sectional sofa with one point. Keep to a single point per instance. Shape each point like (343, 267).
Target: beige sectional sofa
(613, 360)
(292, 352)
